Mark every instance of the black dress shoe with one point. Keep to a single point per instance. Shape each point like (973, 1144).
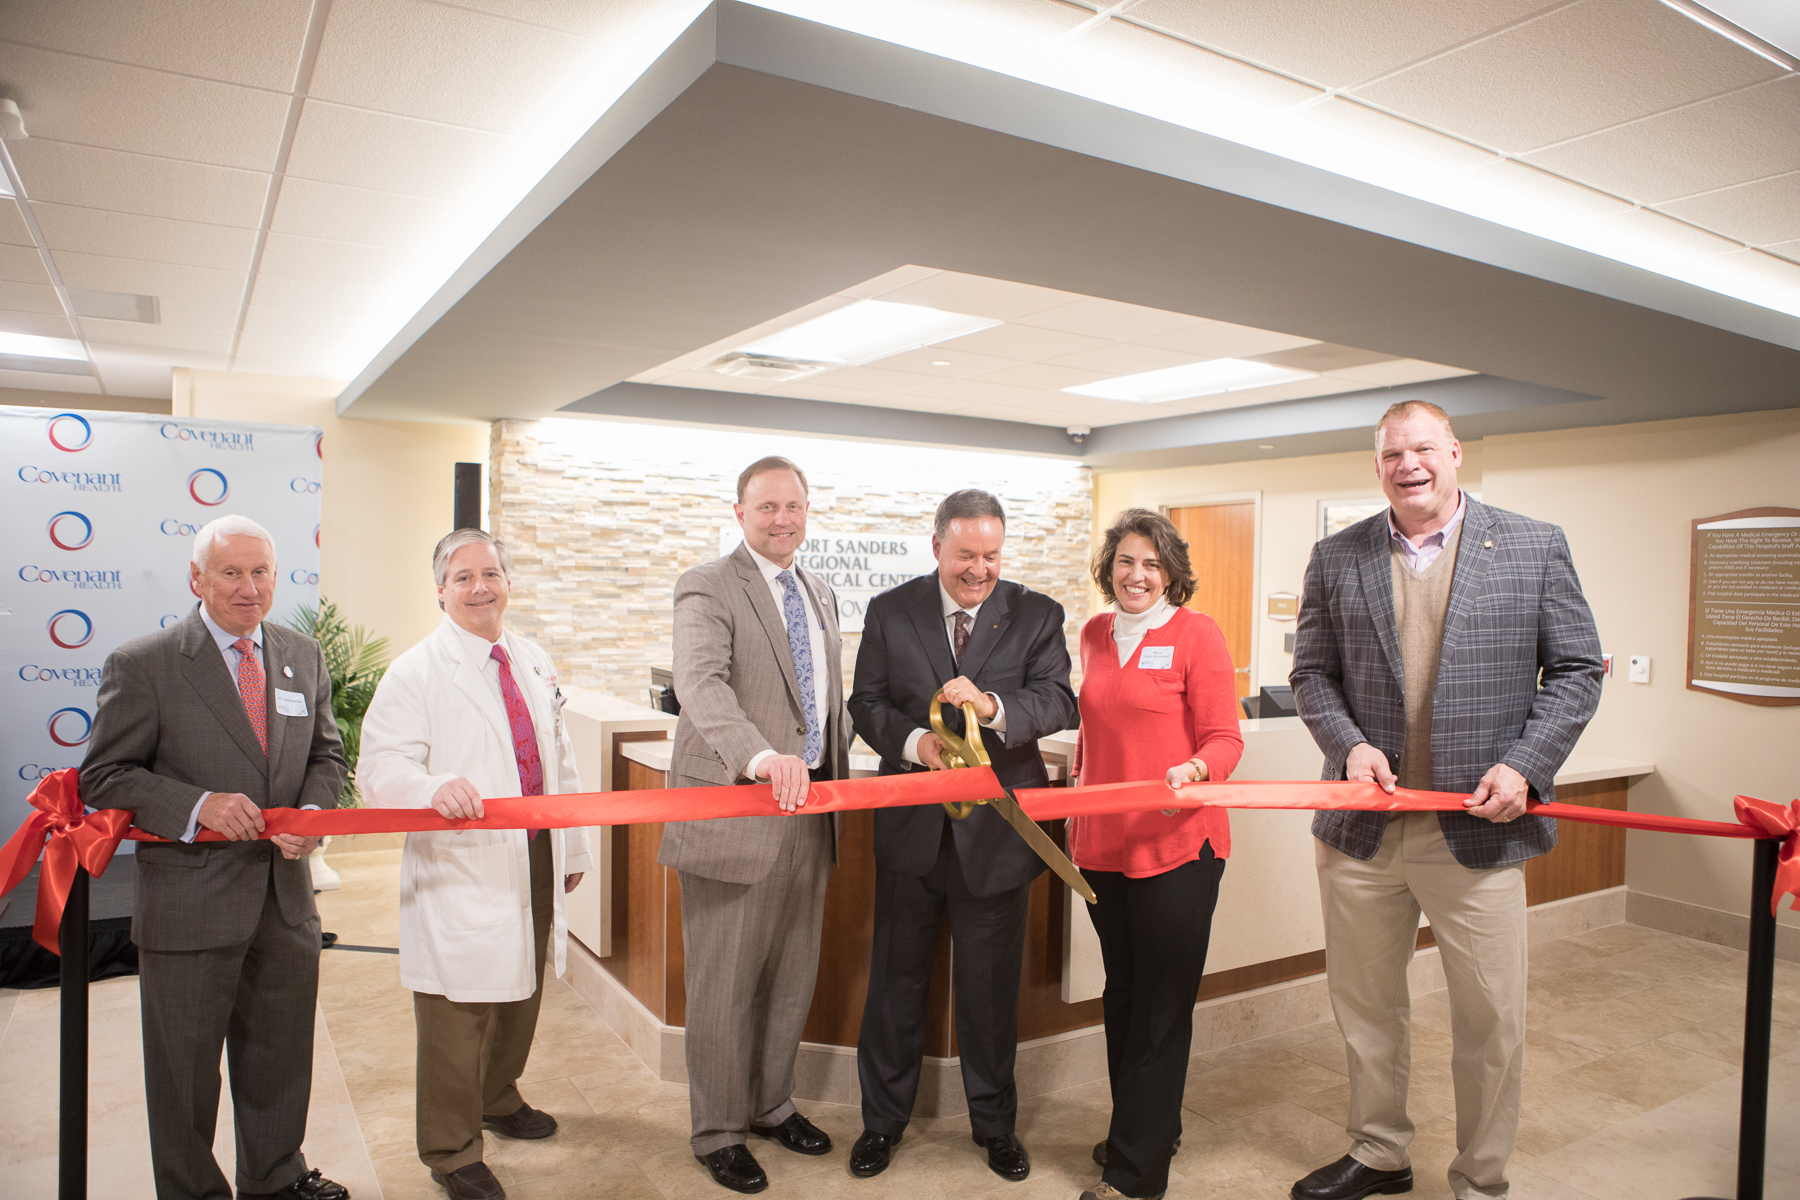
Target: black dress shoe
(1347, 1179)
(797, 1134)
(1100, 1150)
(525, 1123)
(310, 1186)
(871, 1153)
(736, 1168)
(473, 1182)
(1006, 1156)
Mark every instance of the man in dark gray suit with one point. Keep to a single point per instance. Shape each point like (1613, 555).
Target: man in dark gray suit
(965, 635)
(1442, 645)
(758, 672)
(204, 725)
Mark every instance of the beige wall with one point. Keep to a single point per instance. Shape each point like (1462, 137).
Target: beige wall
(387, 492)
(1625, 494)
(82, 401)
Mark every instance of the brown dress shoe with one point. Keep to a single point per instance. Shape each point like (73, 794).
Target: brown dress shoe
(525, 1122)
(473, 1182)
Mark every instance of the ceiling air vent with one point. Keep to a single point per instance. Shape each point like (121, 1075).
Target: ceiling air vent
(768, 368)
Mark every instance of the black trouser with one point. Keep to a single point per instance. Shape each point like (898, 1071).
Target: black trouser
(1153, 936)
(987, 954)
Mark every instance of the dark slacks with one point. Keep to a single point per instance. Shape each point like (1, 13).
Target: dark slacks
(255, 1002)
(1153, 938)
(471, 1055)
(988, 949)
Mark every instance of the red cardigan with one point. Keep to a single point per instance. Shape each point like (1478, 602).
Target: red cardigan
(1136, 724)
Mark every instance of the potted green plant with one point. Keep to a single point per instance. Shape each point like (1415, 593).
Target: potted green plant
(356, 662)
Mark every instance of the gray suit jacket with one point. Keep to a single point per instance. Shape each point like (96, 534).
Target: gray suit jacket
(1516, 615)
(734, 676)
(171, 726)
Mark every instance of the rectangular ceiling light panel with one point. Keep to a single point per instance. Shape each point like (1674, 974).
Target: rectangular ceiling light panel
(30, 345)
(115, 306)
(1195, 379)
(865, 331)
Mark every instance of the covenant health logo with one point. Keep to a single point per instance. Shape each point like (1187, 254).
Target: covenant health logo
(70, 531)
(208, 487)
(80, 481)
(70, 726)
(70, 432)
(218, 439)
(78, 676)
(71, 629)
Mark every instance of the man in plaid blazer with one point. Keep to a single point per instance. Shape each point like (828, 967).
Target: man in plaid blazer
(1442, 645)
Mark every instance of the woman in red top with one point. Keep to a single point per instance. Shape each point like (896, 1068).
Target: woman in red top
(1157, 702)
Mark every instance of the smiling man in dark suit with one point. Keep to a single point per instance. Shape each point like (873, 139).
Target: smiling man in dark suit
(1442, 645)
(963, 635)
(204, 725)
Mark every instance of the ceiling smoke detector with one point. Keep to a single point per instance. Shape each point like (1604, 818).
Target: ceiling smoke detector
(768, 368)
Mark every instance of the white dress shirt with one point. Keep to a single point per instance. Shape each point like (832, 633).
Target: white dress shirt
(1421, 556)
(948, 605)
(1129, 628)
(815, 636)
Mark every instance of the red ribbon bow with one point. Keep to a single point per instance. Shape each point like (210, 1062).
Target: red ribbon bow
(74, 836)
(1777, 822)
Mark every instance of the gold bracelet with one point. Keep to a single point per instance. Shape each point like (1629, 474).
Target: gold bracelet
(1199, 769)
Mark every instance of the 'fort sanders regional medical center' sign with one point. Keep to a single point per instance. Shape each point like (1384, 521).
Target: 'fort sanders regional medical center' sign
(858, 566)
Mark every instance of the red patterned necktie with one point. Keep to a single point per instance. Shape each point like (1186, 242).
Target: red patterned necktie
(524, 736)
(252, 689)
(963, 625)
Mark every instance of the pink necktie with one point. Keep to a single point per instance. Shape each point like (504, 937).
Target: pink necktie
(525, 746)
(250, 687)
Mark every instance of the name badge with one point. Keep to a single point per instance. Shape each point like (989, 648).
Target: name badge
(1156, 658)
(290, 704)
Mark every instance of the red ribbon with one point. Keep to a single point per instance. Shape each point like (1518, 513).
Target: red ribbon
(91, 838)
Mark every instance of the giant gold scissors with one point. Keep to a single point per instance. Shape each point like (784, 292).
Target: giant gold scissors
(971, 752)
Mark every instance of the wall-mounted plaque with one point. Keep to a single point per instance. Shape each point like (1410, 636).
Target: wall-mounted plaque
(1284, 606)
(1744, 606)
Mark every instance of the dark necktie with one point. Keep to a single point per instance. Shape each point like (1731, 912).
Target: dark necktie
(961, 637)
(524, 736)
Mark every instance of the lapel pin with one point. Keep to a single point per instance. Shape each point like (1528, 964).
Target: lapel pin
(1487, 545)
(536, 671)
(288, 671)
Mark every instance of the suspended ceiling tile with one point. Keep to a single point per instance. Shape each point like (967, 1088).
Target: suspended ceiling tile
(154, 239)
(42, 382)
(1347, 118)
(12, 224)
(257, 45)
(317, 258)
(1023, 342)
(1727, 140)
(582, 17)
(1303, 389)
(180, 313)
(712, 381)
(1044, 375)
(60, 173)
(872, 379)
(130, 373)
(303, 352)
(308, 295)
(1221, 339)
(1573, 71)
(23, 264)
(1180, 72)
(1109, 319)
(375, 150)
(315, 326)
(1397, 371)
(444, 63)
(43, 324)
(151, 279)
(29, 297)
(1515, 180)
(137, 333)
(973, 391)
(1124, 358)
(979, 296)
(1336, 43)
(1787, 250)
(959, 364)
(310, 208)
(1759, 213)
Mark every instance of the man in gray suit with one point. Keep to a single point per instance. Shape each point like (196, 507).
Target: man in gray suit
(1442, 645)
(759, 677)
(203, 725)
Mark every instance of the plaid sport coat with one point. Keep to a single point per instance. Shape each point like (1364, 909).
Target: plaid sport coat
(1516, 610)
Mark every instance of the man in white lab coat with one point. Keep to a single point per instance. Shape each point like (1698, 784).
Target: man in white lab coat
(474, 711)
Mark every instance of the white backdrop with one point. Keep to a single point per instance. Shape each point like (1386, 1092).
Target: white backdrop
(102, 509)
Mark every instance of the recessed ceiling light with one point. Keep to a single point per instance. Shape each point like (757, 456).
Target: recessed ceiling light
(1265, 447)
(940, 362)
(30, 345)
(115, 306)
(1195, 379)
(866, 331)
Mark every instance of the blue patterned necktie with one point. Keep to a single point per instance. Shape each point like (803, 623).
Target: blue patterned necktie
(800, 646)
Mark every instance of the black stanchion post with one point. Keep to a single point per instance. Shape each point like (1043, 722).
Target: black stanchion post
(71, 1162)
(1759, 1001)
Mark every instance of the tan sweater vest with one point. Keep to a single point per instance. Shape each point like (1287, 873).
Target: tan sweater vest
(1421, 601)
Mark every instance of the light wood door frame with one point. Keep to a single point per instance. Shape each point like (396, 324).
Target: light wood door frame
(1165, 503)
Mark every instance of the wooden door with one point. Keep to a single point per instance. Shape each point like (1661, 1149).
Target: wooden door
(1221, 542)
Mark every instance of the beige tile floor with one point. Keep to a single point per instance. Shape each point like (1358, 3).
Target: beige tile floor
(1631, 1092)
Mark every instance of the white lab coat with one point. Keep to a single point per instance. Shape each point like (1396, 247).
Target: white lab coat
(465, 895)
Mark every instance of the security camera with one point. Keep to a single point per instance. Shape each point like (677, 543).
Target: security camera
(1078, 433)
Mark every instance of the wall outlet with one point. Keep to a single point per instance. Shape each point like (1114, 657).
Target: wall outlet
(1287, 643)
(1640, 668)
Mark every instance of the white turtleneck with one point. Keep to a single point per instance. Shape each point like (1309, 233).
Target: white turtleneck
(1129, 628)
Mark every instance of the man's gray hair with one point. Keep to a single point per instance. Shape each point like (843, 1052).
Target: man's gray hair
(967, 505)
(220, 528)
(450, 543)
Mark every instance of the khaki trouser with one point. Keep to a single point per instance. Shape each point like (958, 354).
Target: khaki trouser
(1478, 917)
(471, 1055)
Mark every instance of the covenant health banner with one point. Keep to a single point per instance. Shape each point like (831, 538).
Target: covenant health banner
(101, 512)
